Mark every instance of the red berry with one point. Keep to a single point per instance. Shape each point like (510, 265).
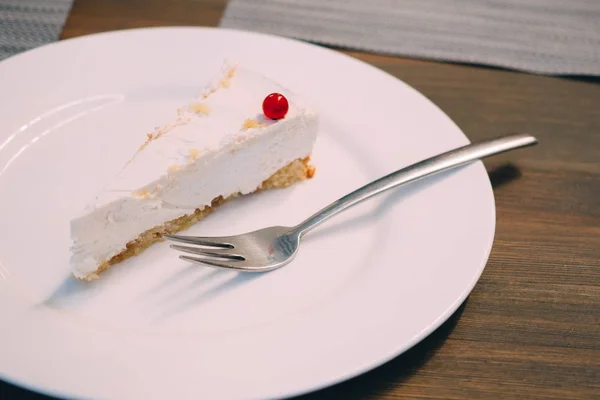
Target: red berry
(275, 106)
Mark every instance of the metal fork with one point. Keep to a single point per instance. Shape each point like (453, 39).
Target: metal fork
(270, 248)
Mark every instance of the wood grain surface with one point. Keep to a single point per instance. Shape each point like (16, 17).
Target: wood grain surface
(531, 327)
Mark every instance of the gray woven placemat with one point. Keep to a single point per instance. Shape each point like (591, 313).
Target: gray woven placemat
(539, 36)
(25, 24)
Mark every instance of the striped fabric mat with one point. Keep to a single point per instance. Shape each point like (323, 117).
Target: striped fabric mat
(538, 36)
(25, 24)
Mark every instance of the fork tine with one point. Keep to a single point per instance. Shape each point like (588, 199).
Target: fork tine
(217, 253)
(211, 263)
(200, 241)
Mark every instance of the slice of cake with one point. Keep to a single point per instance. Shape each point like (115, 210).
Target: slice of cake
(234, 139)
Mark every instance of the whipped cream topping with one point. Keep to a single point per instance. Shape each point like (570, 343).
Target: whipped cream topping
(217, 145)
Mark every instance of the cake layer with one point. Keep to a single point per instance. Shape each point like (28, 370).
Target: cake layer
(218, 146)
(295, 171)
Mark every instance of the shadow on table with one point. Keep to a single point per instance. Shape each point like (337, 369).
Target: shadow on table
(503, 174)
(11, 392)
(394, 372)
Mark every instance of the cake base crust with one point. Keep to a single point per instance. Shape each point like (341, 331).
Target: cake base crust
(297, 170)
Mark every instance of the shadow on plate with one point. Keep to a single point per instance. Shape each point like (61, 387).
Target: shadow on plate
(390, 200)
(499, 176)
(200, 291)
(71, 289)
(392, 374)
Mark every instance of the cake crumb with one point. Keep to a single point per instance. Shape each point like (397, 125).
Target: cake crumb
(159, 131)
(174, 168)
(210, 91)
(150, 137)
(194, 154)
(251, 123)
(142, 194)
(92, 277)
(226, 82)
(200, 108)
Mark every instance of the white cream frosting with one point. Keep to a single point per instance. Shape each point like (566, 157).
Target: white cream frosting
(218, 145)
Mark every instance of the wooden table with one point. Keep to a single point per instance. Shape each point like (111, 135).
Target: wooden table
(531, 327)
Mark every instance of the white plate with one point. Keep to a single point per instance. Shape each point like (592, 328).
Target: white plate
(364, 288)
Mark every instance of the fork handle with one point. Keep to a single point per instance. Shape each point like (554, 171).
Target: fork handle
(430, 166)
